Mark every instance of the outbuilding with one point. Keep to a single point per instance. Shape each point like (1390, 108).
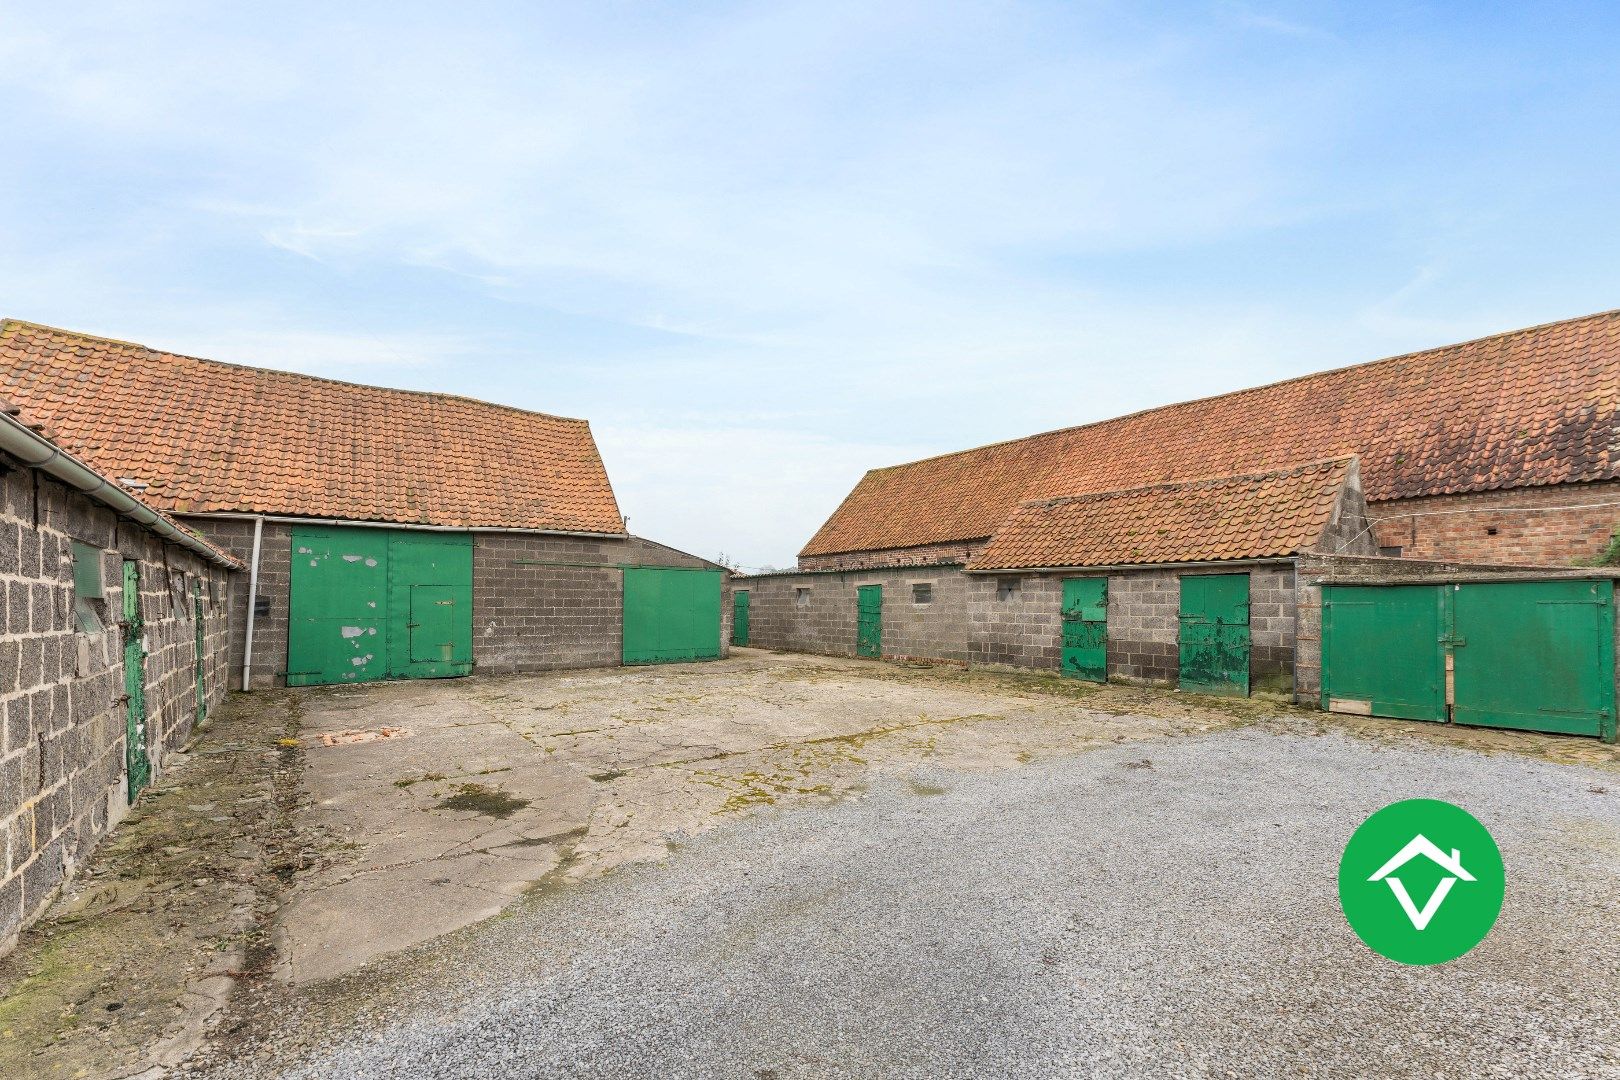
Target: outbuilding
(386, 533)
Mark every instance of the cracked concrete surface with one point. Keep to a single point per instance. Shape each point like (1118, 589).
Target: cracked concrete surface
(505, 780)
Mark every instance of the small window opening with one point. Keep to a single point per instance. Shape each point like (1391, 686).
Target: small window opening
(801, 598)
(922, 593)
(1392, 552)
(1007, 588)
(1490, 530)
(88, 588)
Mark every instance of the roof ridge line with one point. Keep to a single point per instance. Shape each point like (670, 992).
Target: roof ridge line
(1167, 485)
(1610, 313)
(438, 394)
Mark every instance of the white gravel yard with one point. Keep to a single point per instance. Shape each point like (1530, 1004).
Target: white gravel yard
(1163, 908)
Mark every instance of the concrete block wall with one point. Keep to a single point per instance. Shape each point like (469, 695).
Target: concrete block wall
(1555, 525)
(63, 781)
(545, 603)
(1024, 629)
(540, 602)
(825, 624)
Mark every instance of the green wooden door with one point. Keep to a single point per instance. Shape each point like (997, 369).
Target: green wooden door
(137, 759)
(1214, 634)
(197, 620)
(1534, 655)
(739, 618)
(354, 614)
(1085, 629)
(869, 620)
(671, 615)
(1381, 650)
(429, 604)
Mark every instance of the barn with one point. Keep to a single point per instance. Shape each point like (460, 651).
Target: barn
(386, 534)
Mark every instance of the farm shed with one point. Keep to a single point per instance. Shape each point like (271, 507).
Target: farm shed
(387, 533)
(113, 645)
(1501, 450)
(1190, 584)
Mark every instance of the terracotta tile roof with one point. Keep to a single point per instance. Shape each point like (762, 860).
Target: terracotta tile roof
(1531, 407)
(1228, 517)
(46, 432)
(206, 436)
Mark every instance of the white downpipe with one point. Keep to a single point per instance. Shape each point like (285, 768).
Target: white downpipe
(252, 602)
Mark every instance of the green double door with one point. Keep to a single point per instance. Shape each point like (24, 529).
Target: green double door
(1213, 640)
(1085, 629)
(671, 615)
(370, 604)
(869, 621)
(1529, 655)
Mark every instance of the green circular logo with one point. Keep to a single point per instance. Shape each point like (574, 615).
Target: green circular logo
(1421, 882)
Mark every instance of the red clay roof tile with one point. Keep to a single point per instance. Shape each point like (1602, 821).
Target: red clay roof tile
(1231, 517)
(1531, 407)
(211, 437)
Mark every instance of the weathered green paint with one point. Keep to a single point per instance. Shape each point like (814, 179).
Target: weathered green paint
(87, 582)
(671, 615)
(1381, 650)
(1214, 634)
(1085, 629)
(137, 759)
(371, 604)
(197, 619)
(1534, 655)
(869, 620)
(739, 617)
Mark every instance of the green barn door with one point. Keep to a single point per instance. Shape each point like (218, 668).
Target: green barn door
(372, 604)
(739, 618)
(1085, 629)
(197, 619)
(1381, 651)
(671, 615)
(869, 620)
(1534, 655)
(1214, 634)
(137, 759)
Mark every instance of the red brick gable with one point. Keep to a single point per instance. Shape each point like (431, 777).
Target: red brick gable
(208, 437)
(1231, 517)
(1532, 407)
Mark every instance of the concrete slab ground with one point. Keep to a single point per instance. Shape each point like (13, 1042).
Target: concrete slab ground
(486, 785)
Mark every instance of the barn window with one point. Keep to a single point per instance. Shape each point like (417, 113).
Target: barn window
(1007, 588)
(1392, 552)
(88, 588)
(922, 592)
(801, 598)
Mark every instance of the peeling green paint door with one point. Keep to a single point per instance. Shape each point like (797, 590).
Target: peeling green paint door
(671, 615)
(739, 617)
(1214, 634)
(1382, 652)
(197, 619)
(1085, 629)
(355, 615)
(137, 759)
(1534, 655)
(869, 620)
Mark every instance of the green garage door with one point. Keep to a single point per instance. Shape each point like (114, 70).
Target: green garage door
(1534, 655)
(671, 615)
(371, 604)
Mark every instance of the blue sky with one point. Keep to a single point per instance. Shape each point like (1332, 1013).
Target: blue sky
(763, 247)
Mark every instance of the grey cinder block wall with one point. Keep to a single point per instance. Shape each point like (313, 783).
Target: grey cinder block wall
(541, 601)
(63, 780)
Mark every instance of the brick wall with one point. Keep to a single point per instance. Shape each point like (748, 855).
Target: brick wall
(1531, 525)
(825, 625)
(542, 603)
(275, 582)
(62, 759)
(957, 551)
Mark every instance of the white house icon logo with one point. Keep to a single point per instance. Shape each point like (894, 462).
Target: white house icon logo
(1452, 864)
